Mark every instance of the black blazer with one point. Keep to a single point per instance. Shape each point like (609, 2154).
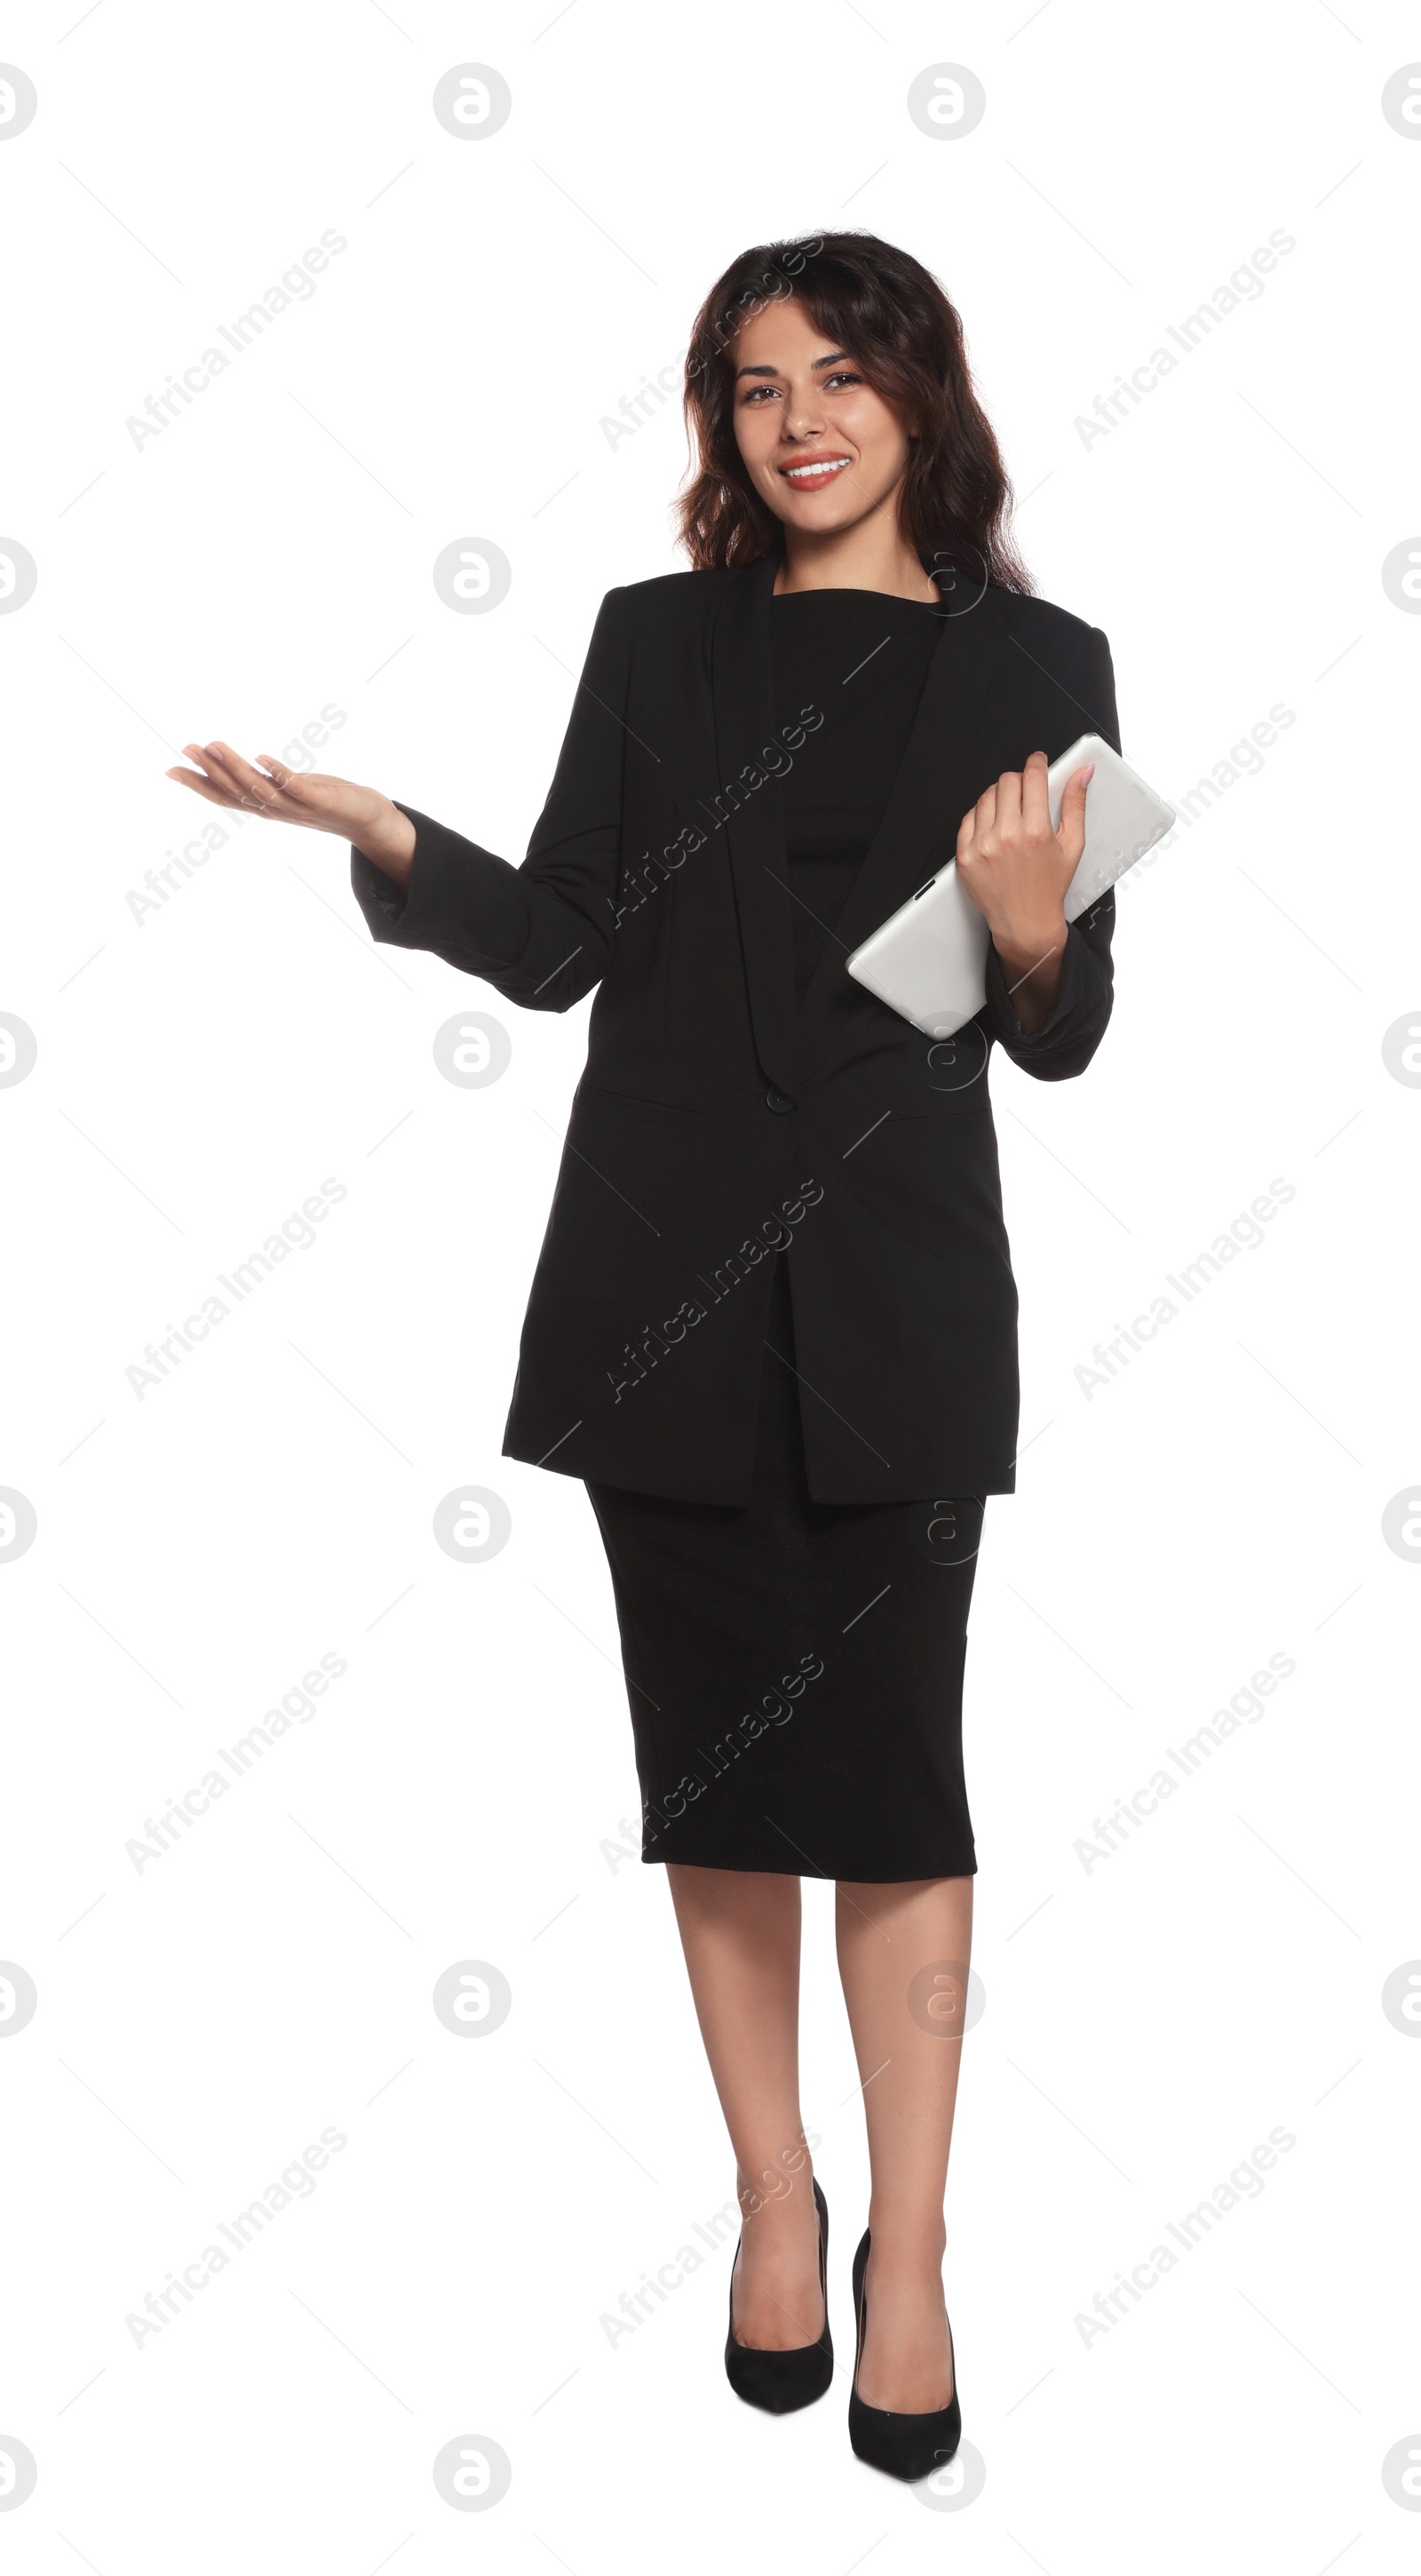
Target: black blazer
(715, 1121)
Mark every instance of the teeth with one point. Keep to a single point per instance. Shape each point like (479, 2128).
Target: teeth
(804, 473)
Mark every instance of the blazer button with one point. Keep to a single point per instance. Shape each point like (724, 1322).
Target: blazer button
(778, 1100)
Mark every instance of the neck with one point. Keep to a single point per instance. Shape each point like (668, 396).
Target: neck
(873, 554)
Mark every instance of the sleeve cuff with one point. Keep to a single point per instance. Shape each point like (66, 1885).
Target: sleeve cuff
(460, 901)
(1070, 995)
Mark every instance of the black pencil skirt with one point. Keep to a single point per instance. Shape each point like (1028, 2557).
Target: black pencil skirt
(794, 1669)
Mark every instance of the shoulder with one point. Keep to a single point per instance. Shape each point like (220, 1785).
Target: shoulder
(1045, 628)
(675, 598)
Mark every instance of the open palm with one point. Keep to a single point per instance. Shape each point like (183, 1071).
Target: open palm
(281, 795)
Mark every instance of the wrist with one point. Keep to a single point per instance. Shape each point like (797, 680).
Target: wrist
(389, 843)
(1023, 949)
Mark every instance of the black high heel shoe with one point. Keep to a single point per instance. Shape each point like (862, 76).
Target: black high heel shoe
(905, 2446)
(783, 2381)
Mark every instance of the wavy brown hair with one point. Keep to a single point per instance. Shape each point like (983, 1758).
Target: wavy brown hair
(889, 314)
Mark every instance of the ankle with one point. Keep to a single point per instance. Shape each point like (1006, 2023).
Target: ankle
(778, 2200)
(906, 2252)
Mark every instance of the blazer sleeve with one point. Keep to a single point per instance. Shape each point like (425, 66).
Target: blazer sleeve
(540, 933)
(1065, 1043)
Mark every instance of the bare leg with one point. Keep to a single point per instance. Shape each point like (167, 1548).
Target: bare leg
(908, 2066)
(740, 1933)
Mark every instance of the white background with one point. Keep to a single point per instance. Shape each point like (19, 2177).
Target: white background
(458, 1794)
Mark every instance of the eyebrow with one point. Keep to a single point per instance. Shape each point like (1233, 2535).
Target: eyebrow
(840, 358)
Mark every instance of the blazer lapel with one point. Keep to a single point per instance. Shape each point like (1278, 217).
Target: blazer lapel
(743, 695)
(936, 782)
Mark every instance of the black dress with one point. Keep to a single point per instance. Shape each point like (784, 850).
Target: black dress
(794, 1668)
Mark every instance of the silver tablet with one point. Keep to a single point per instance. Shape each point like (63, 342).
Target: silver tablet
(928, 960)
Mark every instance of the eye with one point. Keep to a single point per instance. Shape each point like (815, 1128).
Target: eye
(843, 376)
(755, 392)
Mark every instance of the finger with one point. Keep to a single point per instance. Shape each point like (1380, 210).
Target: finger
(1008, 799)
(219, 770)
(305, 796)
(1073, 801)
(203, 787)
(202, 753)
(203, 773)
(1035, 796)
(289, 782)
(194, 752)
(987, 809)
(1070, 832)
(249, 782)
(257, 793)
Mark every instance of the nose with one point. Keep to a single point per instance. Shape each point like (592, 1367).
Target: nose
(803, 423)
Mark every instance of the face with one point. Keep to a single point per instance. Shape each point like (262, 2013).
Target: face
(822, 449)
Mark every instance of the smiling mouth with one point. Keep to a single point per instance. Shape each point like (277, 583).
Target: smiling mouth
(812, 477)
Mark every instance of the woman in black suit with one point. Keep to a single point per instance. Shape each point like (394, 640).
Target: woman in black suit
(773, 1322)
